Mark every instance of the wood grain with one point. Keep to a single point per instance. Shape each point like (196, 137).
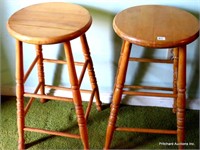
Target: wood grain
(49, 23)
(153, 26)
(144, 25)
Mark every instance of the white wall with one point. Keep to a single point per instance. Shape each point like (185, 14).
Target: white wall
(105, 48)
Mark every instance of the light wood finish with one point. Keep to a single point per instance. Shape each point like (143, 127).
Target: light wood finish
(175, 76)
(153, 26)
(151, 60)
(90, 68)
(49, 23)
(181, 100)
(40, 70)
(120, 79)
(19, 94)
(52, 23)
(31, 68)
(76, 95)
(52, 132)
(142, 130)
(148, 22)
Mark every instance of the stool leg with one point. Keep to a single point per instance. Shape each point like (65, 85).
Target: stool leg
(181, 102)
(76, 95)
(175, 76)
(90, 68)
(40, 70)
(120, 79)
(19, 94)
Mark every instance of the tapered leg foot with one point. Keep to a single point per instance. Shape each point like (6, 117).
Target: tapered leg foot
(111, 125)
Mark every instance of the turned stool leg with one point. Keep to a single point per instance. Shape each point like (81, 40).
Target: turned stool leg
(76, 95)
(19, 94)
(175, 77)
(181, 102)
(90, 68)
(120, 79)
(40, 70)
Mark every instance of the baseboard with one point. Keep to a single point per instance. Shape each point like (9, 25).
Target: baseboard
(8, 91)
(129, 100)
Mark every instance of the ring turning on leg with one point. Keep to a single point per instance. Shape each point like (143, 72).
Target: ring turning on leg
(118, 89)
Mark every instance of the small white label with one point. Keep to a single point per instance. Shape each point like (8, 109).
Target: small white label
(161, 38)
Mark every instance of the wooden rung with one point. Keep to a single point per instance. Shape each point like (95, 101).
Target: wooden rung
(148, 87)
(135, 93)
(30, 68)
(76, 136)
(65, 88)
(31, 99)
(62, 61)
(83, 72)
(58, 87)
(142, 130)
(48, 97)
(167, 61)
(90, 104)
(86, 91)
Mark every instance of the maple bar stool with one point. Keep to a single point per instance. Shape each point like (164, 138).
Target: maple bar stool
(52, 23)
(159, 27)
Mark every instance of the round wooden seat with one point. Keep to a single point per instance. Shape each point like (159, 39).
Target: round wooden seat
(49, 23)
(156, 26)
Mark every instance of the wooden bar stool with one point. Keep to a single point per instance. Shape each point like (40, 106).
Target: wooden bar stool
(52, 23)
(159, 27)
